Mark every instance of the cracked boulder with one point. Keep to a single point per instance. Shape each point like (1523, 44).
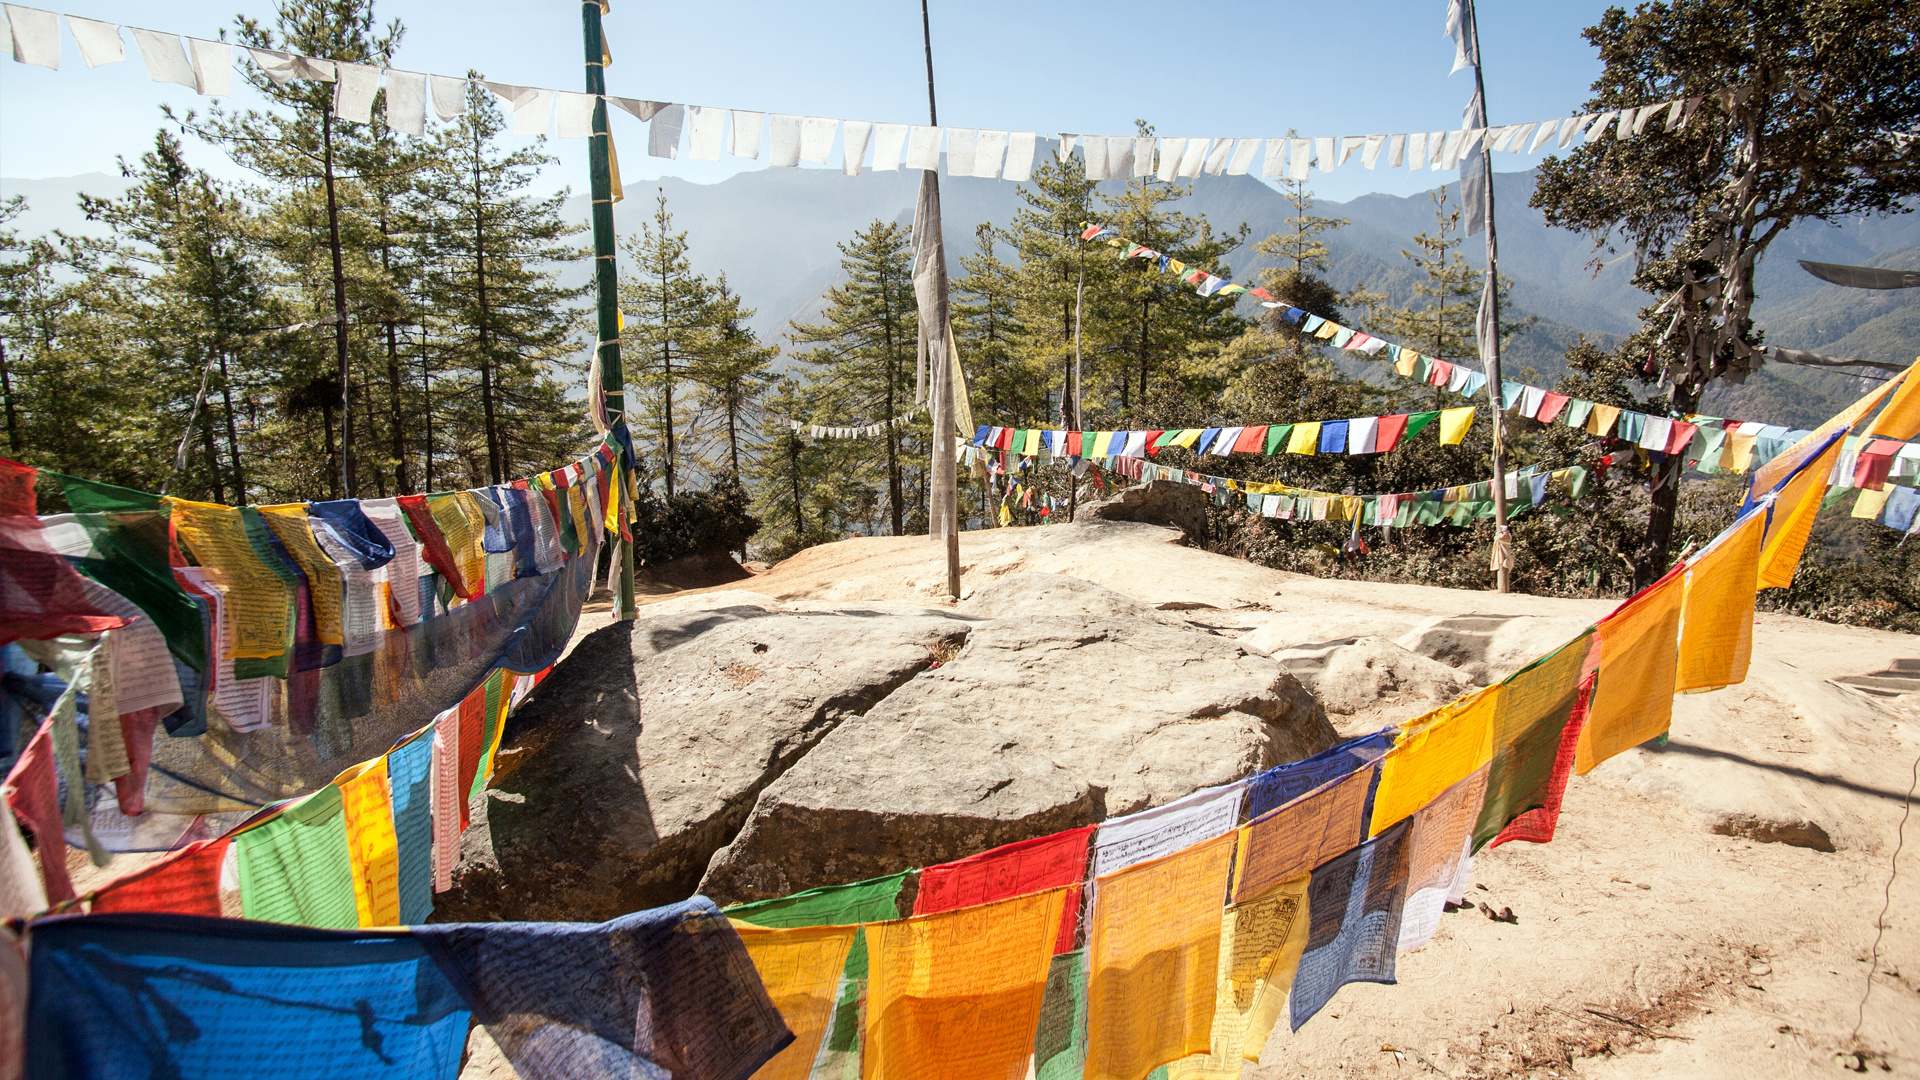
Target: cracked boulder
(1069, 703)
(1369, 682)
(644, 750)
(1489, 648)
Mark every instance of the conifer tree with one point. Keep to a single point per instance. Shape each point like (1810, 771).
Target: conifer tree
(733, 372)
(1052, 266)
(671, 318)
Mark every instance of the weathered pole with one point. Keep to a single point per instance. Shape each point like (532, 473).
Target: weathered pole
(1488, 326)
(605, 280)
(930, 292)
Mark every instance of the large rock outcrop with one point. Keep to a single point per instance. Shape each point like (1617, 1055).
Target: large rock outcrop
(1157, 502)
(1069, 703)
(645, 749)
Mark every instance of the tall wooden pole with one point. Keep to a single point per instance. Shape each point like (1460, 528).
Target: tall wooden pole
(1490, 330)
(605, 280)
(945, 508)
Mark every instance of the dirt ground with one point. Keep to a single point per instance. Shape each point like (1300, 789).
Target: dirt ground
(1644, 944)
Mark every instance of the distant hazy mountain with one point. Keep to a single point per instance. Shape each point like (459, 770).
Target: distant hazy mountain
(773, 233)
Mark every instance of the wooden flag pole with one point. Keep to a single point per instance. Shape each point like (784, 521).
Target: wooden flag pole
(945, 504)
(1490, 332)
(605, 281)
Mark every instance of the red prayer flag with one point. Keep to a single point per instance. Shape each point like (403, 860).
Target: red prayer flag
(1386, 434)
(1073, 444)
(1262, 294)
(1016, 869)
(473, 734)
(33, 793)
(1550, 407)
(1252, 440)
(16, 487)
(439, 555)
(1536, 825)
(1681, 436)
(1441, 374)
(186, 882)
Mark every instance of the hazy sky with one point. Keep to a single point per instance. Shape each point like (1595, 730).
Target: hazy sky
(1217, 70)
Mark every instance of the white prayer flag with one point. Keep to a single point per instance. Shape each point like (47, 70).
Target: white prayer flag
(1545, 135)
(663, 131)
(1065, 149)
(1675, 111)
(572, 114)
(1093, 155)
(923, 147)
(99, 41)
(1363, 433)
(1350, 145)
(354, 88)
(1194, 159)
(1417, 151)
(1571, 127)
(36, 36)
(306, 67)
(988, 153)
(1275, 163)
(1120, 157)
(1437, 149)
(212, 66)
(1218, 156)
(960, 147)
(853, 150)
(1143, 155)
(1020, 150)
(1517, 138)
(1655, 434)
(1599, 129)
(278, 66)
(746, 133)
(1646, 116)
(706, 125)
(1323, 150)
(407, 102)
(166, 60)
(449, 96)
(1375, 143)
(1396, 151)
(786, 141)
(1124, 841)
(642, 111)
(816, 138)
(889, 141)
(1301, 154)
(1242, 159)
(1171, 151)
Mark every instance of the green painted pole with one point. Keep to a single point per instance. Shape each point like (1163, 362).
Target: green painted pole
(606, 282)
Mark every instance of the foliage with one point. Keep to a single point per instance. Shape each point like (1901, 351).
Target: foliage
(668, 527)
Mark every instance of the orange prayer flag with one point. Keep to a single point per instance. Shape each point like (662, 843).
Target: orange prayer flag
(1639, 660)
(1790, 521)
(1901, 418)
(800, 968)
(956, 996)
(1291, 839)
(371, 843)
(1153, 955)
(1434, 753)
(1716, 620)
(1261, 940)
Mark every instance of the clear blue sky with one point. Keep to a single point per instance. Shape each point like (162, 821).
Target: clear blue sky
(1191, 69)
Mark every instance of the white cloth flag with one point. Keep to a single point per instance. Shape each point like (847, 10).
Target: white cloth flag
(402, 574)
(1571, 127)
(166, 60)
(1242, 159)
(923, 147)
(36, 36)
(1301, 153)
(853, 145)
(1194, 159)
(1218, 157)
(449, 96)
(1518, 136)
(1143, 155)
(1120, 157)
(1350, 145)
(988, 152)
(816, 139)
(1125, 841)
(1223, 442)
(960, 147)
(642, 111)
(745, 141)
(1275, 163)
(889, 141)
(705, 127)
(1655, 434)
(1436, 150)
(1093, 154)
(212, 66)
(1543, 136)
(663, 132)
(407, 102)
(99, 41)
(1020, 150)
(1371, 157)
(1396, 151)
(1457, 30)
(572, 114)
(786, 141)
(354, 88)
(1363, 433)
(1449, 154)
(1171, 151)
(1323, 150)
(1065, 149)
(1417, 151)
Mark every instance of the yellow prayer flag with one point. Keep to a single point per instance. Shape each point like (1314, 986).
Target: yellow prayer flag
(801, 969)
(325, 586)
(1260, 945)
(1639, 661)
(1405, 365)
(1716, 620)
(1454, 424)
(1328, 329)
(1187, 438)
(1600, 421)
(1790, 522)
(1739, 453)
(1901, 418)
(1031, 445)
(1870, 503)
(257, 606)
(1153, 954)
(371, 843)
(1305, 438)
(957, 995)
(1434, 753)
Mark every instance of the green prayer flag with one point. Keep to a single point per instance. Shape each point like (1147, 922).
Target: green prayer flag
(94, 497)
(1060, 1040)
(1277, 437)
(1417, 423)
(296, 867)
(1165, 438)
(1535, 705)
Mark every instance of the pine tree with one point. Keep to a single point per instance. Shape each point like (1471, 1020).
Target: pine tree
(733, 371)
(671, 318)
(863, 353)
(1053, 266)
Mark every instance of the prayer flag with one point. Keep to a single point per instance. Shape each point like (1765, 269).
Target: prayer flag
(1437, 847)
(99, 42)
(1389, 431)
(1433, 753)
(959, 993)
(1261, 940)
(1277, 436)
(1286, 842)
(1305, 439)
(1333, 437)
(1536, 826)
(1012, 870)
(1060, 1041)
(371, 845)
(1454, 424)
(1790, 519)
(1528, 729)
(1716, 619)
(1251, 440)
(800, 968)
(186, 882)
(1639, 658)
(1354, 903)
(297, 867)
(1153, 955)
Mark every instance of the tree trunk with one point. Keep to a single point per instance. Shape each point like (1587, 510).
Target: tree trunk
(396, 418)
(233, 434)
(426, 411)
(666, 377)
(1664, 505)
(494, 469)
(213, 457)
(896, 510)
(345, 471)
(793, 475)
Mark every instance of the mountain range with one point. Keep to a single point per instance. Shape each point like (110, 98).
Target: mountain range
(773, 233)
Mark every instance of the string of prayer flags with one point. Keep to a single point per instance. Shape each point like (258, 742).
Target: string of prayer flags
(869, 431)
(959, 993)
(1358, 435)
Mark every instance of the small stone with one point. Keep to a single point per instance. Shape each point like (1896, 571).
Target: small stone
(1757, 968)
(1643, 885)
